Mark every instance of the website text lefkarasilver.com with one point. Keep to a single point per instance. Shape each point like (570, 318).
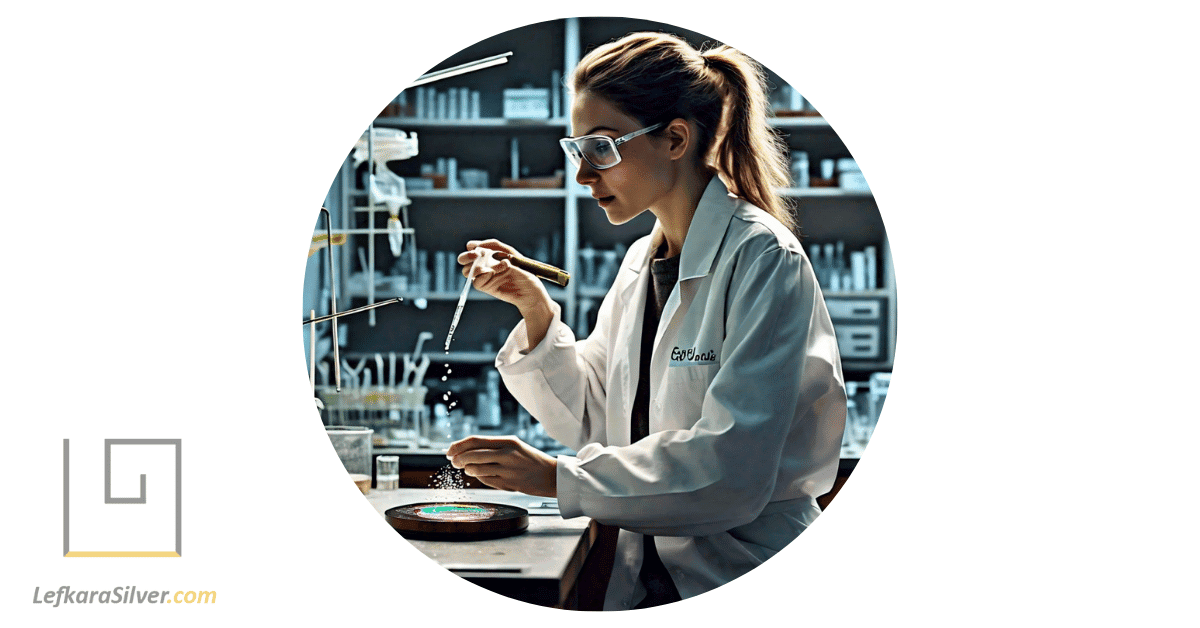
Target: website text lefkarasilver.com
(120, 595)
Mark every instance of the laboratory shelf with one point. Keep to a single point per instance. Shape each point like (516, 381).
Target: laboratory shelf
(473, 123)
(789, 192)
(435, 355)
(855, 293)
(598, 293)
(830, 214)
(823, 193)
(465, 357)
(799, 122)
(493, 193)
(381, 293)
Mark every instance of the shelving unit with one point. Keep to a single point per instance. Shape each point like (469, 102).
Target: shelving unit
(477, 123)
(444, 219)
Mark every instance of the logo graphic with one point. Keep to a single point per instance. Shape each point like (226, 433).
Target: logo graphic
(141, 524)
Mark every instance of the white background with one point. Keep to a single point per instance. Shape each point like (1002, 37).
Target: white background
(162, 170)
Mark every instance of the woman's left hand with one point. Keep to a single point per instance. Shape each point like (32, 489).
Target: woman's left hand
(506, 463)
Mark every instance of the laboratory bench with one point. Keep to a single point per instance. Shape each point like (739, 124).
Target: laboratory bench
(556, 562)
(418, 465)
(547, 564)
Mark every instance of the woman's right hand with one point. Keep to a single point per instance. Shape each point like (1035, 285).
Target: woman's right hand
(494, 275)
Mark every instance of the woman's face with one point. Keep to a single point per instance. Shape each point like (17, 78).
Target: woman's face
(645, 173)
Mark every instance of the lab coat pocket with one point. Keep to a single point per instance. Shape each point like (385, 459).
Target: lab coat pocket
(683, 397)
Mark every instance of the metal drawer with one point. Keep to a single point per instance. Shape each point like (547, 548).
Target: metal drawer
(854, 309)
(858, 341)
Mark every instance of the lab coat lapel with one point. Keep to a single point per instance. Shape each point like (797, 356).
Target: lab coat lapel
(704, 237)
(629, 339)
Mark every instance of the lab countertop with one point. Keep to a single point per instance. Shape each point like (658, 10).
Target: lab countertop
(540, 565)
(414, 458)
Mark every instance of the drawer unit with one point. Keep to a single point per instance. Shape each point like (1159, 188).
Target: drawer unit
(841, 309)
(858, 342)
(861, 326)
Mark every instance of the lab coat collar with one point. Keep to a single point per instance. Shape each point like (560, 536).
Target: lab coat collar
(704, 235)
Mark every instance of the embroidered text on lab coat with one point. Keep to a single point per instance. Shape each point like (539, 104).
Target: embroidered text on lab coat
(692, 356)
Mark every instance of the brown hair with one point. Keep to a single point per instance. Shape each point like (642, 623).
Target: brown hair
(656, 77)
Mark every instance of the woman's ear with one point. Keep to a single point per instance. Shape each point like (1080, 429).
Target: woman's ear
(679, 138)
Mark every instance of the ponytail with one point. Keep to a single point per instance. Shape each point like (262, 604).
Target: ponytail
(748, 151)
(656, 77)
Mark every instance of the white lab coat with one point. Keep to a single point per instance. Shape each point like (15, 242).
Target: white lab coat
(747, 404)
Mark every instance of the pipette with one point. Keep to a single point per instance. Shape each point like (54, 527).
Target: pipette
(462, 301)
(539, 269)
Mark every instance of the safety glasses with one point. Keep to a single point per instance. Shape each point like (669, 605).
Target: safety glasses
(600, 151)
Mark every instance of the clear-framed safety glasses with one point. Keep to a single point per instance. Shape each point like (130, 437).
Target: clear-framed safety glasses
(600, 151)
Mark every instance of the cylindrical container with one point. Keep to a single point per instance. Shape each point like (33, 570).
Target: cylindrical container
(827, 170)
(353, 446)
(800, 169)
(422, 279)
(489, 411)
(452, 173)
(442, 106)
(452, 103)
(439, 271)
(461, 425)
(387, 473)
(588, 256)
(514, 159)
(441, 432)
(858, 270)
(545, 271)
(872, 283)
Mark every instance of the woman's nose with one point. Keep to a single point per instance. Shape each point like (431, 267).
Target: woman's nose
(586, 174)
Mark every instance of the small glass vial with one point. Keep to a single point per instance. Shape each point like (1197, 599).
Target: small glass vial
(387, 473)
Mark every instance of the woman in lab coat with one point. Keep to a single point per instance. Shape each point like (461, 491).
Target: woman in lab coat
(707, 405)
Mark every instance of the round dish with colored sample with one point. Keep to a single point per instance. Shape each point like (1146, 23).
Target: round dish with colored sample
(457, 521)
